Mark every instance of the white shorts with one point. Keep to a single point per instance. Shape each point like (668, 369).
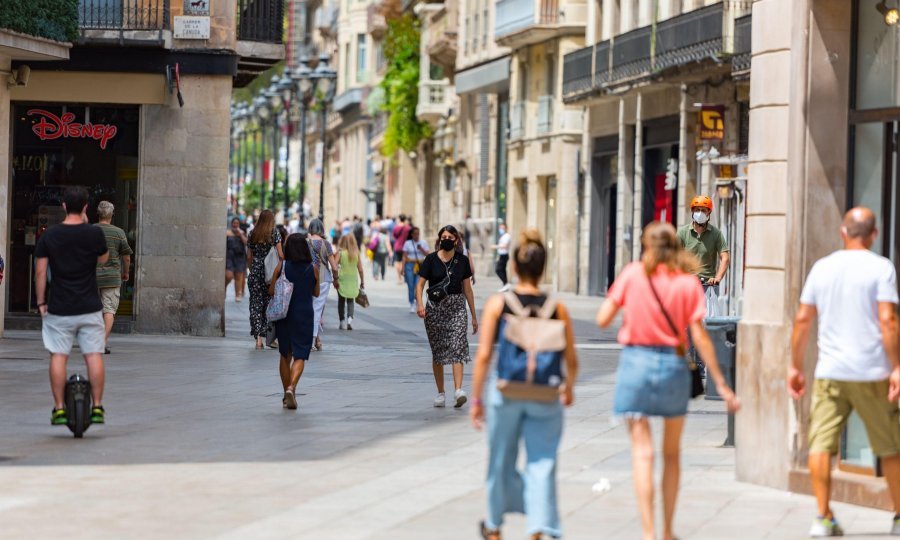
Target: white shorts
(59, 333)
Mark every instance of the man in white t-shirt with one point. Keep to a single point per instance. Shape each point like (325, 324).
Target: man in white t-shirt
(853, 292)
(502, 248)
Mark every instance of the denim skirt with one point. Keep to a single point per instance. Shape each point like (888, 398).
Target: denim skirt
(651, 381)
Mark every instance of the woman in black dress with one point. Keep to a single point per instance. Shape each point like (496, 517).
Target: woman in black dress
(295, 332)
(236, 259)
(263, 238)
(445, 320)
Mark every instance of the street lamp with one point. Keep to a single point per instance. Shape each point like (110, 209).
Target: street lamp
(274, 97)
(285, 87)
(261, 111)
(324, 79)
(303, 78)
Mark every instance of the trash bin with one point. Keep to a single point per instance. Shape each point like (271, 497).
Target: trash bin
(723, 333)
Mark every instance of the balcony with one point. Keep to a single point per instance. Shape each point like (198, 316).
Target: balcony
(740, 62)
(124, 21)
(525, 22)
(351, 97)
(517, 119)
(260, 30)
(442, 34)
(41, 34)
(376, 24)
(710, 34)
(433, 102)
(578, 71)
(545, 115)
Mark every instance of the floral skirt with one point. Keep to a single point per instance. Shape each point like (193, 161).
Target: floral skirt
(446, 325)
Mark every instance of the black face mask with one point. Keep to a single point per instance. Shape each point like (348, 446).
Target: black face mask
(447, 244)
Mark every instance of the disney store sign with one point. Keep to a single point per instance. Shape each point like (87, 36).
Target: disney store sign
(49, 127)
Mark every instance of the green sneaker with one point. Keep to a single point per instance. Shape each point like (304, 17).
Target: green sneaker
(58, 417)
(98, 415)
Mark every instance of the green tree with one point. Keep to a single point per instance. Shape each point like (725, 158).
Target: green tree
(404, 130)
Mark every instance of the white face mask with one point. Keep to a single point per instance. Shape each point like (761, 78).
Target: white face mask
(700, 217)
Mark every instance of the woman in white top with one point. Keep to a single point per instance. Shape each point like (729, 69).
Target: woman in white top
(414, 252)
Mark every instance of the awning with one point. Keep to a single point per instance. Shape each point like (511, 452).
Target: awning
(489, 78)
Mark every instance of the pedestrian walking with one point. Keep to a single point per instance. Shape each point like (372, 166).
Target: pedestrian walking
(413, 251)
(115, 271)
(534, 420)
(236, 258)
(447, 273)
(400, 234)
(380, 245)
(73, 310)
(350, 279)
(852, 293)
(661, 299)
(502, 247)
(265, 237)
(295, 331)
(325, 260)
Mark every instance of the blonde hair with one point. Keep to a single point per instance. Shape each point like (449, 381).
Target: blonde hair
(661, 246)
(348, 242)
(262, 232)
(530, 255)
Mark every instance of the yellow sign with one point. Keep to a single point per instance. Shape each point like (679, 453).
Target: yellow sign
(712, 122)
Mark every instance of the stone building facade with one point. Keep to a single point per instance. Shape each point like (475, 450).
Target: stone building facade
(806, 169)
(168, 96)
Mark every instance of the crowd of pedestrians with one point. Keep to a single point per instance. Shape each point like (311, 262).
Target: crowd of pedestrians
(526, 365)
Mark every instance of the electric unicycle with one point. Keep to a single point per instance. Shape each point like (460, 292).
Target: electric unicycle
(78, 404)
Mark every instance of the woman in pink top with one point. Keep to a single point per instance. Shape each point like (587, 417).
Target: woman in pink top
(661, 297)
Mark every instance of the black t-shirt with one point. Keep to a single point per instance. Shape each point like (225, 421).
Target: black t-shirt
(434, 271)
(72, 251)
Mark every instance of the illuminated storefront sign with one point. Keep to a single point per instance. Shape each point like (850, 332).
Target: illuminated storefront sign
(51, 127)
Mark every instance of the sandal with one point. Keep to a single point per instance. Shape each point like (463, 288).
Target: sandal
(489, 534)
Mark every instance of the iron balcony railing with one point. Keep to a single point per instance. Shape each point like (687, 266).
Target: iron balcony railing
(631, 53)
(740, 62)
(123, 14)
(578, 71)
(517, 120)
(514, 15)
(260, 20)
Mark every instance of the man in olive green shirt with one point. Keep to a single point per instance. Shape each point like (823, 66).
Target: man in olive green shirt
(706, 242)
(114, 271)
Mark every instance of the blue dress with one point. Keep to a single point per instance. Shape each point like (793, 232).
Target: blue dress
(295, 332)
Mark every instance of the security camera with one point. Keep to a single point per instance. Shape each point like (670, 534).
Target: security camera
(18, 76)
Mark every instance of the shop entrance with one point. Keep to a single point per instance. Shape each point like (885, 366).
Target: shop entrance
(604, 195)
(55, 146)
(660, 188)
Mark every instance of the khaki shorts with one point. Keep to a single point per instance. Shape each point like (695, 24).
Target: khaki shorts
(110, 297)
(59, 333)
(833, 401)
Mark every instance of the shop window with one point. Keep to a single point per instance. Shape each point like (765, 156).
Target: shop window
(877, 71)
(98, 150)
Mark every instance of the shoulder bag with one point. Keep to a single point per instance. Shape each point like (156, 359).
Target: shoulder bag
(271, 263)
(681, 349)
(438, 292)
(281, 300)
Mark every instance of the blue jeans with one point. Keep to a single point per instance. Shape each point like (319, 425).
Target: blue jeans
(532, 491)
(411, 280)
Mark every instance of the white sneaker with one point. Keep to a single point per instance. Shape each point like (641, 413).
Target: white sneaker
(412, 308)
(461, 398)
(440, 401)
(504, 288)
(895, 528)
(822, 528)
(349, 323)
(343, 325)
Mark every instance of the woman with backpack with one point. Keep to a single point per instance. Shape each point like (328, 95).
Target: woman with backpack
(350, 279)
(661, 298)
(534, 379)
(295, 331)
(380, 245)
(447, 273)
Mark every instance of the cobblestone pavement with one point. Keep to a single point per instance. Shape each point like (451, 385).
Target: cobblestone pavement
(198, 446)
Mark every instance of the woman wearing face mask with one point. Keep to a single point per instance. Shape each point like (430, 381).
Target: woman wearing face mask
(446, 272)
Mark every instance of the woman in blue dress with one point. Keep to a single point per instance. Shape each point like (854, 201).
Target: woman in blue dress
(295, 332)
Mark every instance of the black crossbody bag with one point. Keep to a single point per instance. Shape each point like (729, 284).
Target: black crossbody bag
(438, 292)
(681, 349)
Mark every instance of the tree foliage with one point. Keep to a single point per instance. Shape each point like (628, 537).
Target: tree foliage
(404, 130)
